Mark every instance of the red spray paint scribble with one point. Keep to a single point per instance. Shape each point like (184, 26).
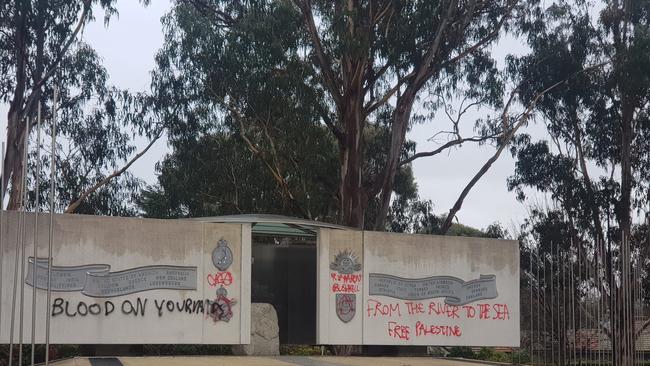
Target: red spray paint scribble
(221, 309)
(345, 283)
(220, 278)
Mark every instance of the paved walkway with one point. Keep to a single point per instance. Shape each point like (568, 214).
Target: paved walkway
(260, 361)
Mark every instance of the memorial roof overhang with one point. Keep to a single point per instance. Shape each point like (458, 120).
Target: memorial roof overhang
(275, 225)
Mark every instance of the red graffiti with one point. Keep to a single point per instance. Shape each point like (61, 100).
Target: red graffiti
(345, 288)
(501, 311)
(470, 312)
(399, 331)
(484, 311)
(376, 308)
(220, 278)
(345, 283)
(414, 307)
(438, 308)
(346, 278)
(443, 330)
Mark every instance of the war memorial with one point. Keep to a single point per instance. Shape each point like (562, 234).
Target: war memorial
(144, 281)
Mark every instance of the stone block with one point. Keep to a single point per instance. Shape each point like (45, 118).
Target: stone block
(265, 333)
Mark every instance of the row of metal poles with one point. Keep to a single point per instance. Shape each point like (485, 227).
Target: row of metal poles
(585, 303)
(18, 296)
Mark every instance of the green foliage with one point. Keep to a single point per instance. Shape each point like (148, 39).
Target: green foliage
(585, 117)
(185, 349)
(40, 52)
(252, 70)
(218, 176)
(301, 350)
(490, 354)
(462, 352)
(410, 214)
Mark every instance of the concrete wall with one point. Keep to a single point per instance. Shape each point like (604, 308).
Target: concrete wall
(330, 328)
(373, 288)
(150, 316)
(413, 273)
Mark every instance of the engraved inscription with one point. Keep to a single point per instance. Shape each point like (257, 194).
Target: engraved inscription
(96, 280)
(454, 290)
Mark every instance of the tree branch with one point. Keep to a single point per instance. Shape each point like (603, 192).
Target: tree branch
(323, 60)
(371, 107)
(446, 146)
(32, 97)
(222, 16)
(522, 119)
(74, 205)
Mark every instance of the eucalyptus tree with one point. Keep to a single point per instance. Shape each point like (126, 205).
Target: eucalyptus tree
(41, 50)
(595, 162)
(351, 66)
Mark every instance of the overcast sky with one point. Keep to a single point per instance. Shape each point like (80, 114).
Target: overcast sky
(131, 40)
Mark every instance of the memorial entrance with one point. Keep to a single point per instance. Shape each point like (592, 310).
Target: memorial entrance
(284, 275)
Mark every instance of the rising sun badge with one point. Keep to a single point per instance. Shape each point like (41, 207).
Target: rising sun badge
(345, 262)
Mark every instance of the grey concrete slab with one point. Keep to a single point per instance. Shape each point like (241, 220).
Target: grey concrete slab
(269, 361)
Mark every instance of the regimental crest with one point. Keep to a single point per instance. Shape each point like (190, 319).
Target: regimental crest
(221, 308)
(345, 262)
(346, 306)
(222, 255)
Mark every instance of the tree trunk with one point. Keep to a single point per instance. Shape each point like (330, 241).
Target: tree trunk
(13, 162)
(401, 119)
(353, 195)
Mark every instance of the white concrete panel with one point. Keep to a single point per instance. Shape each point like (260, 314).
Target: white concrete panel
(435, 320)
(149, 316)
(345, 287)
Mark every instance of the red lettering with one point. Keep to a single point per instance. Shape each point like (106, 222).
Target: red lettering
(376, 308)
(452, 311)
(434, 308)
(398, 331)
(220, 278)
(470, 312)
(484, 311)
(502, 312)
(443, 330)
(414, 307)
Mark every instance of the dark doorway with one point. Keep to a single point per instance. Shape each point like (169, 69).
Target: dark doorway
(284, 275)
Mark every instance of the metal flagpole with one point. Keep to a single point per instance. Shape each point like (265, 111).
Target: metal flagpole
(599, 284)
(36, 210)
(573, 308)
(544, 333)
(581, 308)
(51, 233)
(612, 289)
(561, 325)
(2, 208)
(552, 305)
(530, 330)
(538, 298)
(23, 211)
(564, 314)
